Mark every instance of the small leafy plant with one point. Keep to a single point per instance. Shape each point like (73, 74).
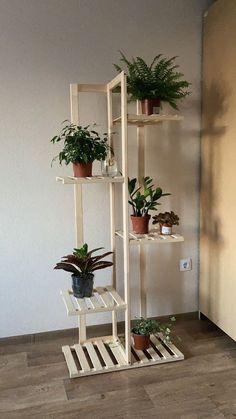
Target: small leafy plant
(146, 327)
(143, 199)
(81, 262)
(161, 79)
(81, 144)
(166, 218)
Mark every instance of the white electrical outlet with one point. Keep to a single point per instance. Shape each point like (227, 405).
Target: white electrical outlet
(185, 264)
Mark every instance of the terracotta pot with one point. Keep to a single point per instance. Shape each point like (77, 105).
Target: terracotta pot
(82, 169)
(141, 342)
(140, 224)
(150, 106)
(165, 229)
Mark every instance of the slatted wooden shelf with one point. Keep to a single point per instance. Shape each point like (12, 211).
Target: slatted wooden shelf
(106, 354)
(92, 179)
(153, 237)
(103, 299)
(141, 120)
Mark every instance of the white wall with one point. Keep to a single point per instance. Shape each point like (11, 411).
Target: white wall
(44, 46)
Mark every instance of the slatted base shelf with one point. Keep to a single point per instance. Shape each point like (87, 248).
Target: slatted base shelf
(106, 354)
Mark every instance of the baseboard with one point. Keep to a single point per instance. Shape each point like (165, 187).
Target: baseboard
(94, 330)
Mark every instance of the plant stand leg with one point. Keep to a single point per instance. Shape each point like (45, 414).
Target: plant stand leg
(82, 328)
(143, 292)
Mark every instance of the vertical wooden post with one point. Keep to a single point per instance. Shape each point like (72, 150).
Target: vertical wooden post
(125, 214)
(79, 233)
(112, 207)
(142, 254)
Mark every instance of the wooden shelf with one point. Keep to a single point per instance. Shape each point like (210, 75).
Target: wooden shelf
(103, 299)
(92, 179)
(106, 354)
(141, 120)
(153, 237)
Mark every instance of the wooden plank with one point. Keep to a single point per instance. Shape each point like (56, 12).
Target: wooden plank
(93, 356)
(81, 304)
(160, 347)
(71, 310)
(141, 355)
(95, 303)
(70, 361)
(115, 296)
(82, 358)
(104, 295)
(105, 356)
(115, 348)
(92, 88)
(154, 354)
(172, 347)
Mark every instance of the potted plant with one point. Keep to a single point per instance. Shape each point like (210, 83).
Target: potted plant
(143, 199)
(81, 147)
(82, 264)
(143, 328)
(166, 220)
(151, 84)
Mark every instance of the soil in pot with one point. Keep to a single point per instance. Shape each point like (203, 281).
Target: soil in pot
(82, 169)
(140, 224)
(82, 285)
(151, 106)
(141, 342)
(165, 229)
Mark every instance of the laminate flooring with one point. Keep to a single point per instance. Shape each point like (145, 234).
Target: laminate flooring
(34, 381)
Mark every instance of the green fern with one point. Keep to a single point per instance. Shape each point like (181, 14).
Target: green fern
(159, 80)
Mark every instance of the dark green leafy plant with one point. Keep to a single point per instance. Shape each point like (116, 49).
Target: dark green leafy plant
(143, 199)
(147, 326)
(82, 261)
(168, 218)
(161, 79)
(81, 145)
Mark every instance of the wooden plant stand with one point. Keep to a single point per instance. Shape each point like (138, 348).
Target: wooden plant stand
(114, 353)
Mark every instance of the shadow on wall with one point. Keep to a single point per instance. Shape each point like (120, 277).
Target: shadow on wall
(215, 100)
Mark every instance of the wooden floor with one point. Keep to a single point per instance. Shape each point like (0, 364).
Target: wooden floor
(34, 381)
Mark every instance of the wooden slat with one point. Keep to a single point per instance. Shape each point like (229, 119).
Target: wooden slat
(115, 348)
(95, 303)
(82, 358)
(160, 347)
(105, 356)
(93, 356)
(172, 347)
(70, 361)
(154, 354)
(141, 355)
(115, 295)
(71, 310)
(92, 88)
(81, 304)
(104, 295)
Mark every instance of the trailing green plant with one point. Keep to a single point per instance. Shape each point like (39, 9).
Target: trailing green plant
(161, 79)
(81, 262)
(168, 218)
(81, 144)
(145, 197)
(146, 327)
